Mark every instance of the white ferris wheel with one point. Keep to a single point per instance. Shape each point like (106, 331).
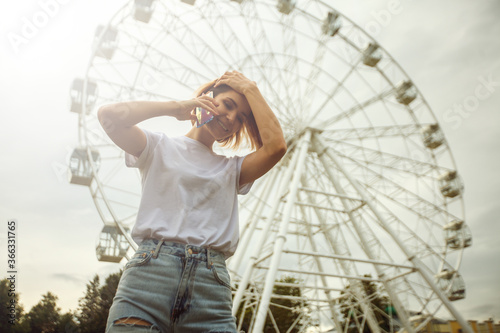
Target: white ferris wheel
(367, 193)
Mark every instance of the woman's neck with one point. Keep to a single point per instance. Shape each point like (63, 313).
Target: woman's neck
(202, 135)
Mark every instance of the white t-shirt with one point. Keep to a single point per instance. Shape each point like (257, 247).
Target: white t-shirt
(189, 193)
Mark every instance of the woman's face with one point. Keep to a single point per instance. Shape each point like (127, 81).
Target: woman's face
(233, 109)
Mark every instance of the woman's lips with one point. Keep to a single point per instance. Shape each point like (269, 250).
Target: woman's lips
(221, 124)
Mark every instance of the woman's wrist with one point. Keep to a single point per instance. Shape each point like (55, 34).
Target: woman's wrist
(250, 89)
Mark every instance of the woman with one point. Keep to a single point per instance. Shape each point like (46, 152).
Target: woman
(187, 223)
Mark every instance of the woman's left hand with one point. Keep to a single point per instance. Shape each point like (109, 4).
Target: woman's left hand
(237, 81)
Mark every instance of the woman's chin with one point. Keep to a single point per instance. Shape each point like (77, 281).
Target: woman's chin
(217, 131)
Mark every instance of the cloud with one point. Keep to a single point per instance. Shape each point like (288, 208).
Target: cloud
(68, 278)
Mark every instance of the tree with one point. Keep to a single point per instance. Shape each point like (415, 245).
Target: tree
(67, 323)
(89, 315)
(45, 316)
(10, 305)
(286, 311)
(93, 309)
(379, 302)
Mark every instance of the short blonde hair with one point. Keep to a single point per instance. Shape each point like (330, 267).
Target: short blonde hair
(248, 130)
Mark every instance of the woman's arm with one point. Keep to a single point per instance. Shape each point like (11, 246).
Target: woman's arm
(256, 164)
(119, 120)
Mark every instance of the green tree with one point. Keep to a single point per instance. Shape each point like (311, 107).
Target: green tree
(93, 308)
(10, 305)
(45, 316)
(286, 311)
(379, 302)
(67, 323)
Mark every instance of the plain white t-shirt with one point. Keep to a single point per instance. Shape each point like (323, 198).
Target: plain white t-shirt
(189, 193)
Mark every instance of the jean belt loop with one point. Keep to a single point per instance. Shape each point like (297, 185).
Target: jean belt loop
(209, 262)
(157, 250)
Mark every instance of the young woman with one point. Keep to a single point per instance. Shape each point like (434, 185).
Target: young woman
(187, 223)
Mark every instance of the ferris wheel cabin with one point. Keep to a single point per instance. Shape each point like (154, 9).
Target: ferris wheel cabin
(450, 184)
(406, 92)
(105, 41)
(432, 135)
(372, 55)
(331, 24)
(143, 10)
(112, 246)
(286, 6)
(80, 166)
(457, 235)
(78, 96)
(452, 283)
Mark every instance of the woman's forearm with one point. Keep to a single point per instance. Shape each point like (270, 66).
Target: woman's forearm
(128, 114)
(267, 123)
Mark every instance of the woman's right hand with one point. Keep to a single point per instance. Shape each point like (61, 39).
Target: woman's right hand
(186, 108)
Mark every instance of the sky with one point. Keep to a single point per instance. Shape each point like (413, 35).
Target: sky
(448, 48)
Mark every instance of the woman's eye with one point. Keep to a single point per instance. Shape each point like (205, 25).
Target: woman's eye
(226, 104)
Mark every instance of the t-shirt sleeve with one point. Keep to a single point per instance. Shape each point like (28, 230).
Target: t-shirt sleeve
(246, 187)
(152, 140)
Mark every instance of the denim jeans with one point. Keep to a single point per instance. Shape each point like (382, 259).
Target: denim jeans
(175, 287)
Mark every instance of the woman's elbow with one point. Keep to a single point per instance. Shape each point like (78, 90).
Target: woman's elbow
(279, 150)
(105, 117)
(282, 149)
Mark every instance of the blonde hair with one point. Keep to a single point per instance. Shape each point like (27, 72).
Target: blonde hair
(248, 130)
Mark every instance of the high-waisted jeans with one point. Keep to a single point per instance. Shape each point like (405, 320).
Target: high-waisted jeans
(175, 287)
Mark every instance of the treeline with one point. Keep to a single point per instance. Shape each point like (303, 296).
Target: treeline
(46, 317)
(93, 308)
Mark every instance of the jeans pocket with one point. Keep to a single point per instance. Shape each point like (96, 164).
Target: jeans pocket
(140, 258)
(221, 276)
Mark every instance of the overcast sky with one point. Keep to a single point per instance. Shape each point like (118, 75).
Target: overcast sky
(449, 48)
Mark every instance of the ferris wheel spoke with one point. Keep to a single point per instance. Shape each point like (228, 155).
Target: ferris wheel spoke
(128, 192)
(414, 232)
(375, 132)
(419, 206)
(314, 73)
(396, 191)
(233, 41)
(413, 201)
(260, 39)
(403, 165)
(331, 95)
(119, 88)
(175, 68)
(360, 106)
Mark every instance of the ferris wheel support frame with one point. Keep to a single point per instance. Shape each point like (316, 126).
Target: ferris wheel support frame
(254, 256)
(281, 236)
(397, 303)
(357, 288)
(251, 226)
(320, 145)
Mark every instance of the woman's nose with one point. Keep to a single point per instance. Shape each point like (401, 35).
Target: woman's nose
(230, 115)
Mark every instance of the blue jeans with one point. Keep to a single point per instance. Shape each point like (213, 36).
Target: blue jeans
(175, 287)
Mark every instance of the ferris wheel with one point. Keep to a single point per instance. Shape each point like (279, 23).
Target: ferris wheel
(368, 191)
